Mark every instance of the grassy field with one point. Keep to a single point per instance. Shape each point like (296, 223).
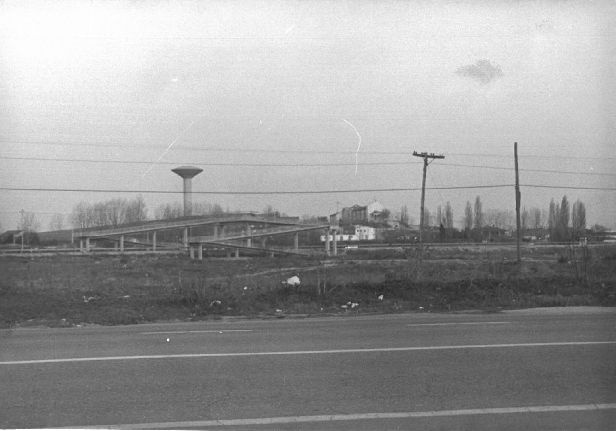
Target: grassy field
(111, 290)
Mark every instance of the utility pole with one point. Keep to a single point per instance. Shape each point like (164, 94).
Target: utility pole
(425, 157)
(517, 199)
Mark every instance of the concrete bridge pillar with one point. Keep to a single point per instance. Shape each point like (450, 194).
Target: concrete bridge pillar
(121, 243)
(154, 241)
(296, 241)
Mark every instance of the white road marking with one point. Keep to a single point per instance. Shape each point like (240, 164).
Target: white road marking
(457, 323)
(212, 331)
(305, 352)
(359, 416)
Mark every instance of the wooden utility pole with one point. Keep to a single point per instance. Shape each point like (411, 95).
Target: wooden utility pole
(517, 199)
(425, 157)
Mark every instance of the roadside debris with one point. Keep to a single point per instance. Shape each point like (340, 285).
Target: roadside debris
(293, 281)
(350, 305)
(215, 302)
(89, 298)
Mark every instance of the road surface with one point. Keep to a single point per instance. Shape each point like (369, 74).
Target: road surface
(536, 369)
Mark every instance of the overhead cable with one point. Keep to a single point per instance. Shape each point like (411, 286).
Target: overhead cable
(292, 165)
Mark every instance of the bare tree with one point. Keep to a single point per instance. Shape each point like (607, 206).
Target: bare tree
(112, 212)
(468, 217)
(168, 211)
(135, 210)
(427, 217)
(535, 218)
(270, 211)
(578, 219)
(563, 219)
(404, 216)
(28, 222)
(81, 216)
(501, 219)
(448, 217)
(217, 210)
(525, 217)
(29, 225)
(478, 219)
(56, 222)
(553, 220)
(439, 216)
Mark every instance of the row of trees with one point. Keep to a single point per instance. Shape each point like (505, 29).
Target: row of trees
(113, 212)
(175, 210)
(119, 211)
(563, 222)
(559, 216)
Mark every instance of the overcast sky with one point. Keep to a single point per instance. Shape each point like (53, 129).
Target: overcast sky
(360, 85)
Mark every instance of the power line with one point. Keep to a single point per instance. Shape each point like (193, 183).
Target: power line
(288, 151)
(290, 165)
(568, 187)
(162, 162)
(551, 171)
(280, 192)
(205, 149)
(533, 156)
(302, 192)
(196, 148)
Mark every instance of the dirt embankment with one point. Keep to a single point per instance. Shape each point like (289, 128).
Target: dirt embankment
(65, 290)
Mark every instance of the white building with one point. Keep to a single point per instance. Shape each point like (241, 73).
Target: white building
(341, 237)
(365, 233)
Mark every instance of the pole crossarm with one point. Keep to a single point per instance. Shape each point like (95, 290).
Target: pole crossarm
(425, 155)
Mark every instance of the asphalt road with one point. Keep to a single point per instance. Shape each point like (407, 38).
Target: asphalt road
(538, 369)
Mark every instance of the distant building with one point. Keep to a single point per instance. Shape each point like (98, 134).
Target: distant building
(11, 236)
(341, 237)
(356, 214)
(365, 233)
(362, 233)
